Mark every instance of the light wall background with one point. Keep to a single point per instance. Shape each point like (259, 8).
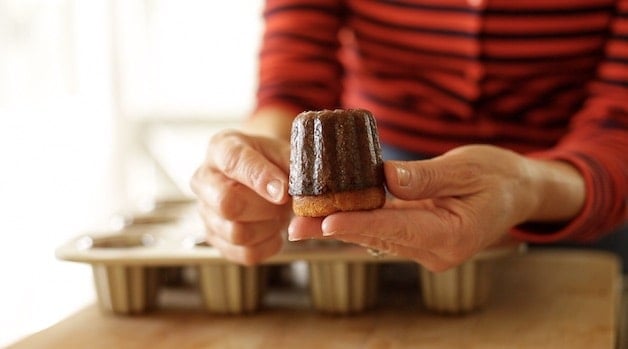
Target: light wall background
(103, 105)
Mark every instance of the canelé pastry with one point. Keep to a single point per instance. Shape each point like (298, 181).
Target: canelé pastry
(335, 163)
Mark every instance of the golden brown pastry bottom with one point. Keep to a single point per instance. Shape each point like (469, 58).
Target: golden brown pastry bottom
(326, 204)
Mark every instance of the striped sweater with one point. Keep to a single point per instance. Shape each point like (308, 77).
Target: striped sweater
(546, 78)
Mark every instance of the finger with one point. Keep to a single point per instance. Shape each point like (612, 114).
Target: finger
(244, 234)
(394, 203)
(302, 228)
(426, 229)
(439, 231)
(258, 163)
(438, 177)
(232, 200)
(248, 255)
(426, 258)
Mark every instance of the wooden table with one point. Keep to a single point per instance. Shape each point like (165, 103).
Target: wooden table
(544, 299)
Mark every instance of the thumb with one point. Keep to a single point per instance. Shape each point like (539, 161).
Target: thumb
(258, 163)
(276, 151)
(438, 177)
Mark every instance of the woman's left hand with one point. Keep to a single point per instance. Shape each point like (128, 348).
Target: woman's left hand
(445, 209)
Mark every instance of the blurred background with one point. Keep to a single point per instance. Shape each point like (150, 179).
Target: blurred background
(104, 104)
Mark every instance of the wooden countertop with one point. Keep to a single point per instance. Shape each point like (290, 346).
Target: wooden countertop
(544, 299)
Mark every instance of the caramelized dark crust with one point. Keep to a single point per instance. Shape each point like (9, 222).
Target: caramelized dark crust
(326, 204)
(334, 151)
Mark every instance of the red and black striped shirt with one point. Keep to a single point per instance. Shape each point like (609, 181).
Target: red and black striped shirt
(548, 78)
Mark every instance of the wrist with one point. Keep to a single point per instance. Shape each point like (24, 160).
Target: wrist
(558, 191)
(270, 122)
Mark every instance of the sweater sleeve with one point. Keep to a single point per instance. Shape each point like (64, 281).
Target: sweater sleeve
(597, 145)
(299, 67)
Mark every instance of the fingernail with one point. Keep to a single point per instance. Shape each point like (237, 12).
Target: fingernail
(294, 238)
(329, 233)
(403, 176)
(274, 189)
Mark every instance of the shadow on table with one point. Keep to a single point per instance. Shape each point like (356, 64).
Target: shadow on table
(615, 242)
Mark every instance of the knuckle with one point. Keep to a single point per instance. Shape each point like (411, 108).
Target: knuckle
(456, 257)
(228, 147)
(231, 158)
(221, 136)
(456, 250)
(405, 231)
(250, 257)
(228, 202)
(428, 176)
(436, 266)
(239, 161)
(452, 229)
(405, 234)
(255, 254)
(468, 173)
(238, 254)
(382, 246)
(239, 235)
(435, 263)
(196, 180)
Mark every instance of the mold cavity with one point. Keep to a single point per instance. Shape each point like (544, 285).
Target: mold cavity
(120, 222)
(172, 203)
(116, 241)
(203, 244)
(192, 241)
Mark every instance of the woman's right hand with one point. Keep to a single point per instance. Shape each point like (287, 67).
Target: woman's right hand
(242, 189)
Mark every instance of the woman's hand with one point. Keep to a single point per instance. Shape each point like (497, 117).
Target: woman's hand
(451, 207)
(243, 196)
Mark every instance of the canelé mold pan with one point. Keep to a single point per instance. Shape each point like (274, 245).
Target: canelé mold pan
(151, 251)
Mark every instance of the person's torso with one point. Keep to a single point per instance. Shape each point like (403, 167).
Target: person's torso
(452, 72)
